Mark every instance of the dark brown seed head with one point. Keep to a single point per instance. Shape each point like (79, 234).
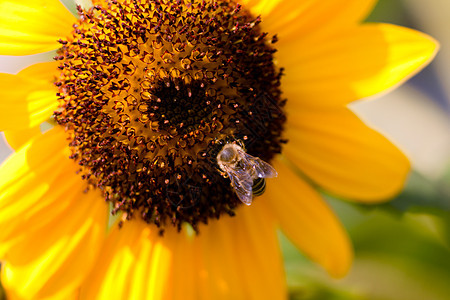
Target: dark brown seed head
(149, 92)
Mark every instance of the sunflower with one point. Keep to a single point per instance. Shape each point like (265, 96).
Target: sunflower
(123, 197)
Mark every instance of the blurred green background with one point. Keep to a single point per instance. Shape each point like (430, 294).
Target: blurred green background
(402, 248)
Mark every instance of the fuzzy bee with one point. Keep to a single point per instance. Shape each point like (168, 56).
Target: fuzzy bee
(247, 173)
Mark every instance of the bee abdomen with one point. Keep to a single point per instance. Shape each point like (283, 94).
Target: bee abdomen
(259, 186)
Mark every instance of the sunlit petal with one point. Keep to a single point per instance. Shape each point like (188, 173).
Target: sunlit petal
(32, 26)
(353, 64)
(339, 152)
(308, 221)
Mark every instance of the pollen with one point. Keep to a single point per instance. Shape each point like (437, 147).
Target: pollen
(150, 90)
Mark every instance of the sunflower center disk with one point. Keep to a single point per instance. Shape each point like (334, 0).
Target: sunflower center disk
(146, 91)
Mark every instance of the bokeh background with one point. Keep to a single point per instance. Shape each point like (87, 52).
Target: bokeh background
(402, 248)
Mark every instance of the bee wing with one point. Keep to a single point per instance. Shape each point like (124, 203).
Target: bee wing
(242, 184)
(263, 169)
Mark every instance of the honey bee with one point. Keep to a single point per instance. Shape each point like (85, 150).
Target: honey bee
(246, 172)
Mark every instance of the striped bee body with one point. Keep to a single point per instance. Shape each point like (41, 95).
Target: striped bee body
(259, 186)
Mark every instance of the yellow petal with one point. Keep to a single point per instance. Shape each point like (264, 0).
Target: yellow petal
(18, 138)
(28, 98)
(43, 207)
(232, 258)
(262, 7)
(134, 264)
(45, 71)
(32, 26)
(308, 221)
(239, 257)
(292, 19)
(339, 152)
(22, 177)
(353, 64)
(184, 274)
(63, 251)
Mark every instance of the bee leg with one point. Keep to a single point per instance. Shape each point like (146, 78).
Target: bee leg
(241, 144)
(224, 174)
